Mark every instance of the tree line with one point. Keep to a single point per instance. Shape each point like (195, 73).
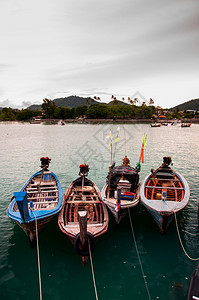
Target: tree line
(49, 110)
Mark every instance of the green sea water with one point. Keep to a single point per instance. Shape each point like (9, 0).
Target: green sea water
(116, 265)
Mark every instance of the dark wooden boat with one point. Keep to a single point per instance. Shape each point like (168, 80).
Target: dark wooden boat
(121, 190)
(193, 292)
(164, 192)
(83, 217)
(185, 124)
(40, 198)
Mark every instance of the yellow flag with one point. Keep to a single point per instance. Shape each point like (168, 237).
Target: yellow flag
(110, 135)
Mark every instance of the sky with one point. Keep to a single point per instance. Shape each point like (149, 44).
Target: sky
(126, 48)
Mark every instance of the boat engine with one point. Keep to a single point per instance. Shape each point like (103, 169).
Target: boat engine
(45, 161)
(166, 161)
(84, 168)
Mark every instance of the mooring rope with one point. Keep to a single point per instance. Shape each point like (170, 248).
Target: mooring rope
(93, 274)
(38, 258)
(181, 240)
(179, 237)
(138, 255)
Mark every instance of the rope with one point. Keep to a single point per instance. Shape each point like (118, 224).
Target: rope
(38, 259)
(143, 275)
(96, 296)
(181, 240)
(179, 237)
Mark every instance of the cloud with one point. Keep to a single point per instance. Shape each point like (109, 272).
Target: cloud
(98, 47)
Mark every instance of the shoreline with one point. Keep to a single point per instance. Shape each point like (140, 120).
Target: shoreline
(101, 121)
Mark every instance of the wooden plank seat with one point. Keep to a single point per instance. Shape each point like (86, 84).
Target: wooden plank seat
(163, 187)
(84, 202)
(164, 174)
(50, 183)
(76, 224)
(42, 188)
(42, 197)
(44, 202)
(42, 191)
(164, 179)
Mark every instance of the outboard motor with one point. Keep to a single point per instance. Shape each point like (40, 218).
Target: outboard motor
(166, 161)
(45, 161)
(84, 168)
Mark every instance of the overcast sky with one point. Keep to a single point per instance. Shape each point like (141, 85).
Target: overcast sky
(129, 48)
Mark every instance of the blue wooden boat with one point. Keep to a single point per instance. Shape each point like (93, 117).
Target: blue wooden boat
(39, 199)
(164, 192)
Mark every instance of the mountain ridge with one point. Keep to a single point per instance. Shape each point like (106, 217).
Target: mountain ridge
(188, 105)
(75, 101)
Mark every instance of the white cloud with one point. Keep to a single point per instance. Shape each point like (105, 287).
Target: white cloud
(109, 47)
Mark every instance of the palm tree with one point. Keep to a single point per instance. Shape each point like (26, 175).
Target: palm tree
(151, 102)
(135, 100)
(97, 98)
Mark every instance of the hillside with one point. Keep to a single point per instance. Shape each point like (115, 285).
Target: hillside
(75, 101)
(189, 105)
(70, 102)
(118, 102)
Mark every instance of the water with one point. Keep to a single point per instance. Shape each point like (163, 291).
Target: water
(116, 266)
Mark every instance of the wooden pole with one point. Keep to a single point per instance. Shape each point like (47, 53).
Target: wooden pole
(83, 232)
(83, 226)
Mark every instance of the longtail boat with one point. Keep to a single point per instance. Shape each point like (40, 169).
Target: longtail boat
(185, 124)
(156, 125)
(121, 190)
(83, 217)
(38, 201)
(164, 192)
(193, 292)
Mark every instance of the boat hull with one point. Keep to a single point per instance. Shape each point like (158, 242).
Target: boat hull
(193, 292)
(162, 219)
(30, 228)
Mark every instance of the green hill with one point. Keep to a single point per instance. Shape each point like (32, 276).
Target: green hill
(189, 105)
(70, 102)
(74, 101)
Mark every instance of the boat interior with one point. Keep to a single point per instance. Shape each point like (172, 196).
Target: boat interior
(83, 198)
(164, 186)
(43, 191)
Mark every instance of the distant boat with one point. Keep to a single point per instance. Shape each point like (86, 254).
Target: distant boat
(121, 190)
(185, 124)
(39, 199)
(35, 121)
(193, 292)
(61, 122)
(84, 216)
(156, 125)
(164, 124)
(164, 192)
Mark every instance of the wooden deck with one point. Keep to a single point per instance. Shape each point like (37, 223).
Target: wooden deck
(43, 194)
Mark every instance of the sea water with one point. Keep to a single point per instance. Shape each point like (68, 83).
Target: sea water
(117, 270)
